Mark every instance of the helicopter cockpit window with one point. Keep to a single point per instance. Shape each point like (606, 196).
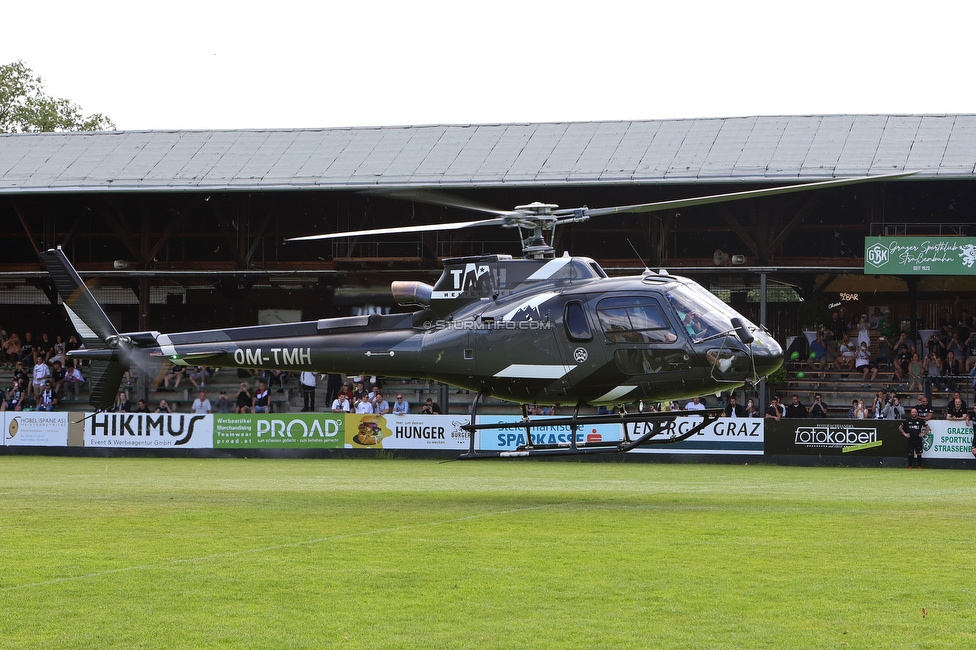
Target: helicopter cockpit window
(577, 328)
(634, 320)
(701, 314)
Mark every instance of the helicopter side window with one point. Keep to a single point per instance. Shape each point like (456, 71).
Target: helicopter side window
(634, 320)
(577, 328)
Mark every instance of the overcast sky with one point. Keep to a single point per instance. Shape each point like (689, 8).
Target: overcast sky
(223, 65)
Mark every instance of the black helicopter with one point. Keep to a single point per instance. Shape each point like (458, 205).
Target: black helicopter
(540, 329)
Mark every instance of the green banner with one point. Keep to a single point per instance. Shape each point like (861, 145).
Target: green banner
(294, 431)
(935, 255)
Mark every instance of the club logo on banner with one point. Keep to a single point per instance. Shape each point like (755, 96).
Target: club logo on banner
(149, 430)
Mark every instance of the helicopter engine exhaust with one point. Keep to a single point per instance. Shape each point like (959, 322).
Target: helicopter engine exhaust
(411, 293)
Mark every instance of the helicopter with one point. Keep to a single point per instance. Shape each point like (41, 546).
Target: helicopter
(537, 329)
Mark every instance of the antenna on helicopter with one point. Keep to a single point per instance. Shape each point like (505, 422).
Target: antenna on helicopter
(647, 269)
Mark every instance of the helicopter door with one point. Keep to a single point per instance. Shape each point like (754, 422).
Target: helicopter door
(642, 339)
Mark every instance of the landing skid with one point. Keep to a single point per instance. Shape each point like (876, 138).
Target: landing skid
(657, 429)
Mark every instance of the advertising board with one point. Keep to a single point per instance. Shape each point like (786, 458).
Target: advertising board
(935, 255)
(35, 428)
(723, 436)
(834, 437)
(428, 432)
(149, 430)
(279, 431)
(509, 438)
(948, 440)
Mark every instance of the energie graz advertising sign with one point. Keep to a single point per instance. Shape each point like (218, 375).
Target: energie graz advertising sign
(936, 255)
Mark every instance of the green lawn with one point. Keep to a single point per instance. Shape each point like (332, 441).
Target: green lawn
(152, 553)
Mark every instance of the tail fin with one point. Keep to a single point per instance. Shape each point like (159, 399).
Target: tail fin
(96, 330)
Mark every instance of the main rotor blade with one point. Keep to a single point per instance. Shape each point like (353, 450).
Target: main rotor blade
(444, 199)
(457, 225)
(731, 196)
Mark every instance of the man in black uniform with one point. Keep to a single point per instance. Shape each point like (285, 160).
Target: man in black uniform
(913, 427)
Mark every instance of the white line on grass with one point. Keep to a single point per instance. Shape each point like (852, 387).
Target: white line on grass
(308, 542)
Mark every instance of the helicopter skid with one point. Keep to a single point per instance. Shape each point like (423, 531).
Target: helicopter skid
(639, 429)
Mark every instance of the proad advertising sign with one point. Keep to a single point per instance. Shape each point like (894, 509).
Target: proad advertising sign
(279, 431)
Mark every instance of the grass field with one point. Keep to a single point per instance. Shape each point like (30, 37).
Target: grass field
(149, 553)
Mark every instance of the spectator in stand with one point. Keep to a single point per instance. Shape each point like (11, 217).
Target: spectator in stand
(970, 346)
(201, 405)
(176, 374)
(837, 325)
(733, 409)
(956, 410)
(956, 346)
(751, 410)
(886, 326)
(875, 318)
(864, 363)
(380, 405)
(307, 381)
(57, 352)
(880, 402)
(244, 399)
(198, 376)
(904, 340)
(364, 406)
(924, 410)
(48, 399)
(27, 349)
(886, 356)
(916, 370)
(950, 370)
(852, 412)
(695, 405)
(795, 409)
(122, 404)
(14, 398)
(341, 403)
(818, 353)
(863, 331)
(401, 406)
(45, 348)
(141, 407)
(933, 369)
(223, 404)
(819, 409)
(12, 348)
(262, 398)
(894, 410)
(846, 351)
(959, 395)
(163, 407)
(935, 346)
(74, 380)
(41, 373)
(902, 364)
(58, 375)
(430, 407)
(775, 410)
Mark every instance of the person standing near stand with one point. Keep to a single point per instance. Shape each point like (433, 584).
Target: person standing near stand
(307, 380)
(913, 427)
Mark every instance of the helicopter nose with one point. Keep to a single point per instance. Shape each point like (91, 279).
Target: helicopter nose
(768, 356)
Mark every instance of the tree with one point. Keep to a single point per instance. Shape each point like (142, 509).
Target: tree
(25, 107)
